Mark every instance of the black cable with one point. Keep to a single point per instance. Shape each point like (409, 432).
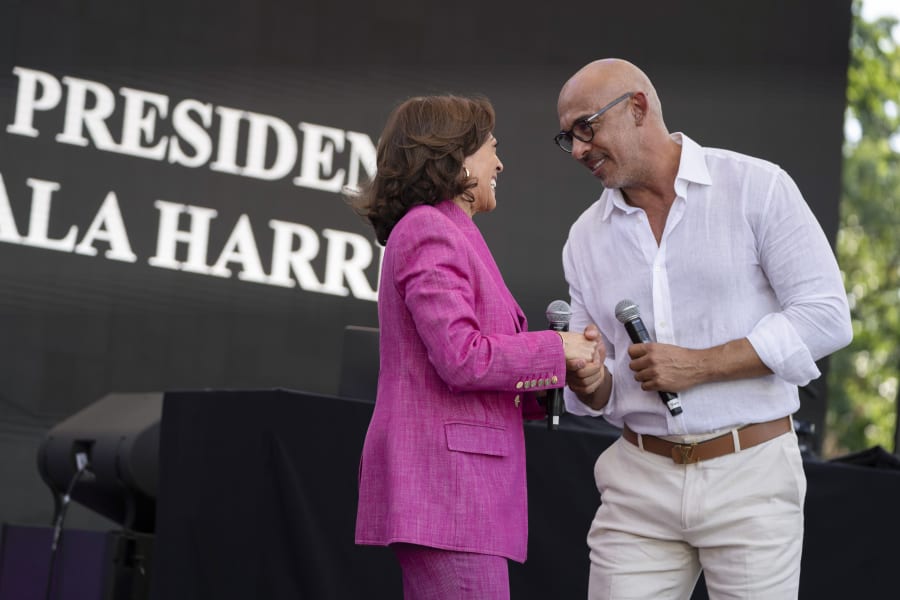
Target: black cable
(58, 525)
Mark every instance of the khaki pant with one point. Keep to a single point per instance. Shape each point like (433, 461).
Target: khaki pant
(739, 517)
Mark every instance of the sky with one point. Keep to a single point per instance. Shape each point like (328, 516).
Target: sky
(872, 9)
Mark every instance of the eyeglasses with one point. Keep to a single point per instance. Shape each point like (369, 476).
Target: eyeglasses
(581, 129)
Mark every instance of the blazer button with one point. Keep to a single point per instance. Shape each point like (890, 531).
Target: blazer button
(534, 383)
(516, 401)
(554, 379)
(519, 385)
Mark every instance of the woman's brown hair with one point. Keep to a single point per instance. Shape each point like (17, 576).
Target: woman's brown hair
(420, 156)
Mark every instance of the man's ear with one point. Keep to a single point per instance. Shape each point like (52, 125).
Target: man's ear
(639, 107)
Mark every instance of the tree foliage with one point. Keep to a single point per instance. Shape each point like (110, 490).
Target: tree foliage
(863, 378)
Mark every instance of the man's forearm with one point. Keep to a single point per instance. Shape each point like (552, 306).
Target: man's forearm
(733, 360)
(664, 367)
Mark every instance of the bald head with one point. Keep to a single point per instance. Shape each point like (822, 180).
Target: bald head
(601, 80)
(630, 147)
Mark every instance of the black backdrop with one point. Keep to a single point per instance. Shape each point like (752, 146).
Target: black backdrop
(257, 499)
(763, 77)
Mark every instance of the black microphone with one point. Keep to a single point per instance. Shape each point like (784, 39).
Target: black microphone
(558, 316)
(628, 314)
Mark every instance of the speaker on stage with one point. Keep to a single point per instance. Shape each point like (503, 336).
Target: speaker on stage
(119, 437)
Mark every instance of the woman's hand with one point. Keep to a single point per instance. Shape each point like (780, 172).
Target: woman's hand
(590, 380)
(579, 350)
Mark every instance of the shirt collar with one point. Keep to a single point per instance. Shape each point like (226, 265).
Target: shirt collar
(691, 169)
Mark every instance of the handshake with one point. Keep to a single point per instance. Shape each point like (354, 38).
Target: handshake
(654, 365)
(585, 371)
(582, 349)
(584, 354)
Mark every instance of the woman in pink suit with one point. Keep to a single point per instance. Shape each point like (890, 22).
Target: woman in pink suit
(442, 474)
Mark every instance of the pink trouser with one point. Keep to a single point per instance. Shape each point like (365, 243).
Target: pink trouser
(738, 517)
(435, 574)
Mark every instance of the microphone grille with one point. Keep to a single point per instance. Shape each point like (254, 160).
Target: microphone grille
(627, 310)
(559, 311)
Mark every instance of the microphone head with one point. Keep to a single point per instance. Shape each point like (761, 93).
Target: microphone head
(626, 311)
(559, 313)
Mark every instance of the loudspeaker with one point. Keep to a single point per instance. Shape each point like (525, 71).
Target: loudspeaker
(119, 435)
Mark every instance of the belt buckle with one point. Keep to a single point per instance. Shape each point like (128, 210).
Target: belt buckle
(683, 454)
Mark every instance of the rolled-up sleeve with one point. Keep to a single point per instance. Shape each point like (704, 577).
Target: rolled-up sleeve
(814, 319)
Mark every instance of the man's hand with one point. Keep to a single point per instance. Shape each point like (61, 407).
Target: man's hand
(667, 368)
(590, 380)
(664, 367)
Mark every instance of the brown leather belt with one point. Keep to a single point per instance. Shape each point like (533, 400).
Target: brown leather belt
(686, 454)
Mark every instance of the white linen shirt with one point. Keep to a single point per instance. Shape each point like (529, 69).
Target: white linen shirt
(741, 256)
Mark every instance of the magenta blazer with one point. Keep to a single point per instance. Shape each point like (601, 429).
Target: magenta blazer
(443, 463)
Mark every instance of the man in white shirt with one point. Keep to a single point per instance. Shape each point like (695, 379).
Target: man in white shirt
(737, 283)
